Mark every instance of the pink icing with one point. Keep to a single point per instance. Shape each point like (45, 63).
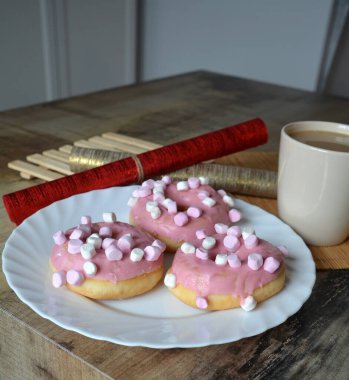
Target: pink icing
(108, 270)
(204, 277)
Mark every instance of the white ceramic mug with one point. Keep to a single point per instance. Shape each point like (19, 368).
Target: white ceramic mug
(313, 185)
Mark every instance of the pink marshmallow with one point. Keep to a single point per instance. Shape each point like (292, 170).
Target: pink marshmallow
(125, 243)
(271, 264)
(251, 241)
(201, 302)
(107, 242)
(142, 192)
(194, 212)
(235, 231)
(105, 231)
(172, 207)
(283, 250)
(222, 192)
(234, 261)
(74, 246)
(234, 215)
(59, 279)
(158, 197)
(231, 242)
(160, 244)
(152, 253)
(181, 219)
(203, 194)
(193, 182)
(59, 238)
(76, 234)
(86, 219)
(201, 234)
(75, 277)
(166, 179)
(148, 183)
(85, 228)
(201, 253)
(221, 228)
(255, 261)
(113, 253)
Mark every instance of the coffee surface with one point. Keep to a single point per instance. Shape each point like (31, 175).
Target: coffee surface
(322, 139)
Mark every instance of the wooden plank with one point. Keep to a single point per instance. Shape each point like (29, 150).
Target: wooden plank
(133, 141)
(95, 145)
(65, 149)
(49, 163)
(106, 144)
(57, 155)
(33, 170)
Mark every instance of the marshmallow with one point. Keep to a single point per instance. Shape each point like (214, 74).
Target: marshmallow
(125, 243)
(251, 241)
(209, 242)
(188, 248)
(255, 261)
(193, 182)
(222, 192)
(152, 253)
(201, 253)
(204, 180)
(234, 261)
(182, 185)
(136, 254)
(228, 200)
(132, 201)
(148, 183)
(221, 259)
(113, 253)
(283, 250)
(107, 242)
(166, 202)
(271, 264)
(105, 231)
(85, 228)
(234, 215)
(166, 179)
(203, 194)
(150, 205)
(109, 217)
(247, 231)
(201, 302)
(59, 238)
(87, 251)
(86, 219)
(158, 189)
(75, 277)
(200, 234)
(74, 246)
(95, 239)
(234, 230)
(142, 192)
(172, 207)
(181, 219)
(210, 202)
(158, 197)
(90, 268)
(59, 279)
(248, 303)
(77, 234)
(231, 242)
(155, 213)
(194, 212)
(160, 244)
(170, 280)
(221, 228)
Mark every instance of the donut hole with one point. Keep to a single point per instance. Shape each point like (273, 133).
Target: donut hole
(182, 208)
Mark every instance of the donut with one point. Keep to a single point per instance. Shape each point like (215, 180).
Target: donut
(106, 260)
(227, 270)
(174, 211)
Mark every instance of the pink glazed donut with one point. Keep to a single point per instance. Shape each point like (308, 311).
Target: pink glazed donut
(175, 212)
(227, 270)
(106, 260)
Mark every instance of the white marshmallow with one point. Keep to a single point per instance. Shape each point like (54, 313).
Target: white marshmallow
(87, 251)
(221, 259)
(170, 280)
(209, 242)
(247, 231)
(248, 303)
(109, 217)
(95, 240)
(132, 201)
(155, 213)
(158, 189)
(166, 202)
(203, 180)
(182, 185)
(210, 202)
(188, 248)
(150, 205)
(228, 200)
(90, 268)
(136, 254)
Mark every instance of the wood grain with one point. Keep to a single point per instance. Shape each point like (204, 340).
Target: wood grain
(312, 344)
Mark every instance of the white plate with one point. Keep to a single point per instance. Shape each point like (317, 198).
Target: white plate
(156, 319)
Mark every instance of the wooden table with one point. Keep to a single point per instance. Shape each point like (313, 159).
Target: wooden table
(311, 344)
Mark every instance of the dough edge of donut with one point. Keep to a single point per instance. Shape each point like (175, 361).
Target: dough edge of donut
(105, 289)
(227, 301)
